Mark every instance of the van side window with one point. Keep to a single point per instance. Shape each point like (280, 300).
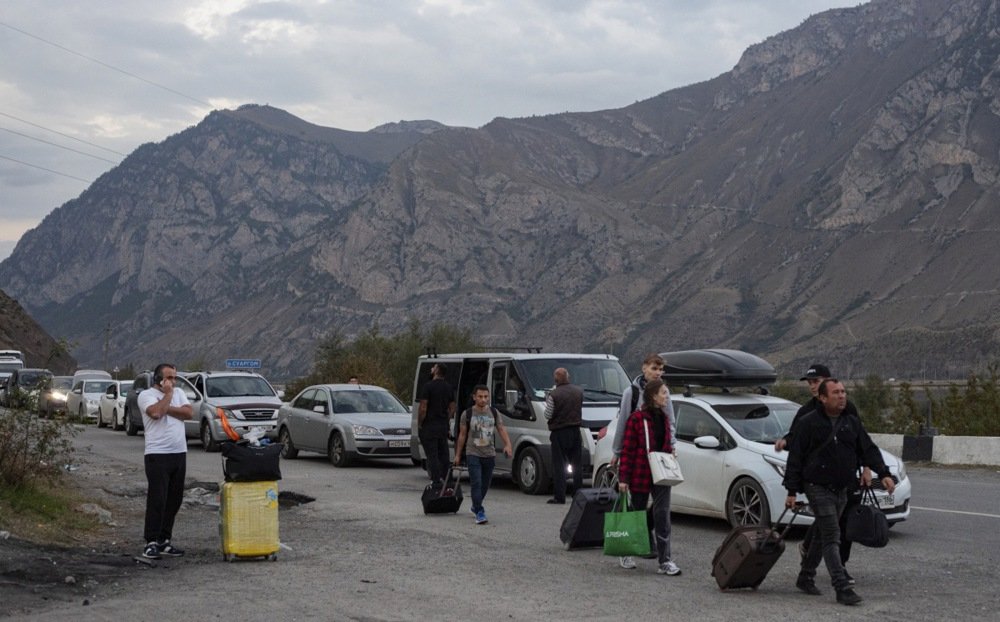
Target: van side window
(423, 377)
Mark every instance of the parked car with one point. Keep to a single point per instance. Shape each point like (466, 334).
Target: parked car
(9, 363)
(84, 397)
(345, 421)
(247, 400)
(24, 387)
(725, 446)
(133, 418)
(53, 397)
(518, 384)
(111, 406)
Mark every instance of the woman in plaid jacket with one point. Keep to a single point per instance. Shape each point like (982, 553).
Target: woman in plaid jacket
(634, 476)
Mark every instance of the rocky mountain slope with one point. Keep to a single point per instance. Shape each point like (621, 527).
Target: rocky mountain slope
(18, 331)
(832, 197)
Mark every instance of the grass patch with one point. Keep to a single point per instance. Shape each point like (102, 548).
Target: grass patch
(45, 512)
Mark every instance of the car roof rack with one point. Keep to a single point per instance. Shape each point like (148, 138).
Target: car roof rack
(718, 368)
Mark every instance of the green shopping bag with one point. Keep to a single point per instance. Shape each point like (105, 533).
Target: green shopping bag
(625, 531)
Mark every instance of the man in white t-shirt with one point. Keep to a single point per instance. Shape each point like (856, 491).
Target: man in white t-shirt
(164, 410)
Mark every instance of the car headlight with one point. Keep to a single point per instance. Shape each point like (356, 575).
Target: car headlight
(365, 430)
(902, 470)
(92, 403)
(225, 411)
(58, 396)
(778, 465)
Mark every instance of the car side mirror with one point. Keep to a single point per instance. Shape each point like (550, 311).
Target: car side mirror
(320, 408)
(707, 442)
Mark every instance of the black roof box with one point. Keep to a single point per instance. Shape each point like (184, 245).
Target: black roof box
(716, 368)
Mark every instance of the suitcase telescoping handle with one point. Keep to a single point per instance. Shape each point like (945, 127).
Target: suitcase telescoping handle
(795, 512)
(452, 470)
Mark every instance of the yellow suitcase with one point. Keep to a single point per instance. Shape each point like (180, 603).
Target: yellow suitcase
(248, 520)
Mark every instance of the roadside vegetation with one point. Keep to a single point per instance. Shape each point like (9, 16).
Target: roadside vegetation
(954, 409)
(35, 502)
(389, 361)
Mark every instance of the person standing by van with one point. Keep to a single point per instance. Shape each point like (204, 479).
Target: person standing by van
(164, 410)
(437, 407)
(564, 411)
(634, 476)
(478, 428)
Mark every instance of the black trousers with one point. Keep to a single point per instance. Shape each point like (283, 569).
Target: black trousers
(567, 448)
(165, 474)
(438, 457)
(853, 499)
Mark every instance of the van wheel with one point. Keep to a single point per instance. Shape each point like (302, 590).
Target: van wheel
(288, 450)
(337, 452)
(130, 427)
(206, 437)
(747, 504)
(532, 473)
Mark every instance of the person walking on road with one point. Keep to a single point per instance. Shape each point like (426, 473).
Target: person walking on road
(564, 411)
(634, 476)
(164, 410)
(816, 374)
(477, 429)
(823, 459)
(437, 408)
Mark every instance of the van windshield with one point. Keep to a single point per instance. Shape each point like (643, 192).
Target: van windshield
(602, 380)
(9, 366)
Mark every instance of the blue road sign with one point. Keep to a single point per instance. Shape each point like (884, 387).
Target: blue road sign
(243, 363)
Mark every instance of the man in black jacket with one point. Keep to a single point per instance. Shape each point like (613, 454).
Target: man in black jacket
(564, 411)
(816, 374)
(822, 462)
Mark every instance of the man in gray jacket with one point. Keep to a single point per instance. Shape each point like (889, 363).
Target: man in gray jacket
(564, 411)
(652, 368)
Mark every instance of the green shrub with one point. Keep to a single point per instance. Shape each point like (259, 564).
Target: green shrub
(388, 361)
(31, 448)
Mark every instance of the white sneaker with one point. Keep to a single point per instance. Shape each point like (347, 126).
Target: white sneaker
(627, 563)
(669, 568)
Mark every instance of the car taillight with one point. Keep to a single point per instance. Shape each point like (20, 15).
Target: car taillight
(602, 432)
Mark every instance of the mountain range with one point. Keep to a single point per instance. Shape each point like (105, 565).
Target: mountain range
(832, 198)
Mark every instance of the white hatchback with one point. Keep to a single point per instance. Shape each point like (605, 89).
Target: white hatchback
(725, 446)
(111, 407)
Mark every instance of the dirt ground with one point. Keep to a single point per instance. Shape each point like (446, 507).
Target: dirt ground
(34, 576)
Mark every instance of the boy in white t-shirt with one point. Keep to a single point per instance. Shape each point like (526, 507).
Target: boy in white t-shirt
(164, 410)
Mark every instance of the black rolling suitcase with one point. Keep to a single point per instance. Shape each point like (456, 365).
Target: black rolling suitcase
(583, 525)
(445, 498)
(747, 554)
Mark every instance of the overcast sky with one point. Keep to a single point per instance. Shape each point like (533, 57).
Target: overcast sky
(102, 77)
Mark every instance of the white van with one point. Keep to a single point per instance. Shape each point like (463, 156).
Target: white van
(519, 382)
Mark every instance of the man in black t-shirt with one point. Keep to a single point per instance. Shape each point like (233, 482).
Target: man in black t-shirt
(437, 407)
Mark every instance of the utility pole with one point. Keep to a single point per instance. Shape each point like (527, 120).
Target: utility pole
(107, 339)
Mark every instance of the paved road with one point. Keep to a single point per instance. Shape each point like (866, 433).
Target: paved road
(364, 551)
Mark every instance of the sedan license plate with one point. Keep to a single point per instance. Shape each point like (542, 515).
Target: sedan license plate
(399, 443)
(886, 501)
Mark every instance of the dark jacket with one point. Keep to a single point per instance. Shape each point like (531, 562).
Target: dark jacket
(834, 464)
(566, 404)
(811, 405)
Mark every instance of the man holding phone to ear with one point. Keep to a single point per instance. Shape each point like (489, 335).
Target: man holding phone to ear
(164, 410)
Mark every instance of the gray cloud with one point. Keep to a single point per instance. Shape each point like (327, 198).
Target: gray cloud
(349, 64)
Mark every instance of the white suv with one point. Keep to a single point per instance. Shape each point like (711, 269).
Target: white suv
(247, 400)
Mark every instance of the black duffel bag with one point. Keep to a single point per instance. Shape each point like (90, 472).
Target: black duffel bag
(866, 523)
(242, 462)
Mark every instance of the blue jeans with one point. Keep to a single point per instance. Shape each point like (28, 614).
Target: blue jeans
(827, 506)
(480, 475)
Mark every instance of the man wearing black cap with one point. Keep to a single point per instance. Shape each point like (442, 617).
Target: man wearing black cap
(814, 376)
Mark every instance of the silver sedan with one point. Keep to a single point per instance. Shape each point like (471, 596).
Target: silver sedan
(345, 421)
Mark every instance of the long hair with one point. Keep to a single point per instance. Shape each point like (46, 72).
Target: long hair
(652, 388)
